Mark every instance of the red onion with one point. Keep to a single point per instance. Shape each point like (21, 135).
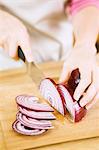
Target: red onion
(33, 116)
(61, 96)
(33, 123)
(49, 91)
(20, 128)
(76, 112)
(37, 115)
(31, 102)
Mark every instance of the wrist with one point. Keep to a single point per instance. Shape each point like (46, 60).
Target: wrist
(86, 47)
(85, 42)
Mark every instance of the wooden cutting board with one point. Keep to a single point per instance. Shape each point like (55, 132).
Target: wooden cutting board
(64, 130)
(85, 144)
(2, 144)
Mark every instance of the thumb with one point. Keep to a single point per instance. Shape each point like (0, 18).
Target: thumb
(90, 104)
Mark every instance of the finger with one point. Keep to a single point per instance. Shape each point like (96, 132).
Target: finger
(90, 104)
(65, 74)
(12, 49)
(26, 48)
(96, 76)
(84, 82)
(5, 47)
(1, 43)
(89, 95)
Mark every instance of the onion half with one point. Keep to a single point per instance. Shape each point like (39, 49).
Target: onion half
(76, 111)
(60, 96)
(48, 89)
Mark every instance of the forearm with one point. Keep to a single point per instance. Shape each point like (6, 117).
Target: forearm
(86, 26)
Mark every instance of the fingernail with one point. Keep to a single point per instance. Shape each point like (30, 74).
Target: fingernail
(76, 97)
(81, 104)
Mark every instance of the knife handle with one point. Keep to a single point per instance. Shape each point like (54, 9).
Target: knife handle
(21, 54)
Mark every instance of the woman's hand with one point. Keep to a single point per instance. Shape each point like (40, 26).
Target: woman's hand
(13, 34)
(84, 58)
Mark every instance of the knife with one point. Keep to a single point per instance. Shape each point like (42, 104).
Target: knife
(32, 68)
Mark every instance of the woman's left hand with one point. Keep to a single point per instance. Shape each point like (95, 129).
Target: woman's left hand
(84, 58)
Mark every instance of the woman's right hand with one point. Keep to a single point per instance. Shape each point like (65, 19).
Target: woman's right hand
(13, 33)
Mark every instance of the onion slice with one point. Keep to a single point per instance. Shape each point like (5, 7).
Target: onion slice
(33, 123)
(37, 115)
(20, 128)
(76, 111)
(48, 89)
(32, 103)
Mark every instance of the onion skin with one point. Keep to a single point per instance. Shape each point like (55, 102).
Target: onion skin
(73, 80)
(79, 116)
(71, 86)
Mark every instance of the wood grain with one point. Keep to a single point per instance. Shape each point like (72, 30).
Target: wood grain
(2, 143)
(85, 144)
(20, 83)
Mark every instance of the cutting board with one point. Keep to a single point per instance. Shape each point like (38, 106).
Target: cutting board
(2, 144)
(19, 83)
(85, 144)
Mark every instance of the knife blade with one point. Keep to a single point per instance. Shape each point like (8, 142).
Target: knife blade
(32, 68)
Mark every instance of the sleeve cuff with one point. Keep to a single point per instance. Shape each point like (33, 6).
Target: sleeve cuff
(76, 5)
